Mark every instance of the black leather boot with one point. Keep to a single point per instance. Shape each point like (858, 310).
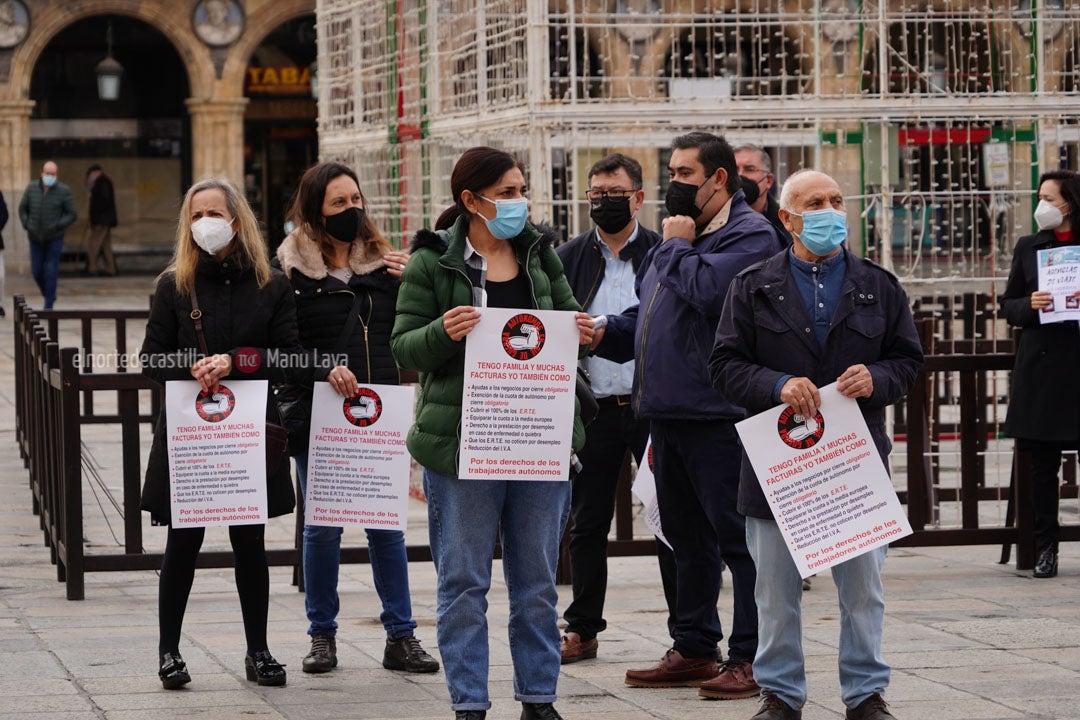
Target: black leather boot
(539, 711)
(1046, 565)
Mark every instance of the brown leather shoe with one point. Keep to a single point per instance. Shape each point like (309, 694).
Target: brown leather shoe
(674, 670)
(735, 681)
(574, 649)
(773, 708)
(872, 708)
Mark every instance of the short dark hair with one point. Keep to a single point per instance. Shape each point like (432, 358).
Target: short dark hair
(1070, 187)
(613, 162)
(476, 169)
(93, 168)
(713, 152)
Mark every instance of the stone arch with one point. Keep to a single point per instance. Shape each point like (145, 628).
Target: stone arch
(259, 25)
(174, 26)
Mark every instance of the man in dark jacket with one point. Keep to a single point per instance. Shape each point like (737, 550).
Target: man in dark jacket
(756, 166)
(810, 316)
(711, 236)
(102, 220)
(600, 265)
(46, 210)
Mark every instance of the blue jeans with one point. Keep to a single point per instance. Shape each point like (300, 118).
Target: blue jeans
(45, 266)
(464, 517)
(322, 558)
(779, 667)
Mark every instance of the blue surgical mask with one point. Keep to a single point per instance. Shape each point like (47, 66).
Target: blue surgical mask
(510, 216)
(48, 180)
(823, 230)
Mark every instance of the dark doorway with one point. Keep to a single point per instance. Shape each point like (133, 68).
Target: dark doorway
(280, 132)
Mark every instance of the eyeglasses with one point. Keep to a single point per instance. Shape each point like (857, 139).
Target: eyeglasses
(595, 195)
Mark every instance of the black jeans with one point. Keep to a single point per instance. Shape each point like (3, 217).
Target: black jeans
(697, 483)
(611, 434)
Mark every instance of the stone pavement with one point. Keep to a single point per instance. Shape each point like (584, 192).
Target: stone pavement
(968, 639)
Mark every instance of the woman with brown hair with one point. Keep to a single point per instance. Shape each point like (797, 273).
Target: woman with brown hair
(484, 253)
(345, 278)
(247, 307)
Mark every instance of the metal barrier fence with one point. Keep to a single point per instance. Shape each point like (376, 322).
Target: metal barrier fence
(49, 416)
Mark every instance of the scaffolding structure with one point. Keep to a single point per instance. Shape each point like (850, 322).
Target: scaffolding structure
(936, 116)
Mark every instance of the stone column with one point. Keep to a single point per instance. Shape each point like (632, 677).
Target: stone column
(15, 173)
(217, 137)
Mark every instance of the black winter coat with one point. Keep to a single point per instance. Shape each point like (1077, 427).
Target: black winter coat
(1044, 399)
(765, 333)
(323, 303)
(103, 202)
(237, 313)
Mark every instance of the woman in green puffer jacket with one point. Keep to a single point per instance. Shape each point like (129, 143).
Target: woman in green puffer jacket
(484, 253)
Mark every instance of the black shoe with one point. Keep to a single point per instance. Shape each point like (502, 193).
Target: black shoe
(173, 671)
(264, 669)
(773, 708)
(1046, 567)
(406, 654)
(539, 711)
(470, 715)
(323, 655)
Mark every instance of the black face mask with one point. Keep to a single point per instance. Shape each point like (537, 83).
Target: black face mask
(750, 189)
(344, 226)
(611, 214)
(681, 199)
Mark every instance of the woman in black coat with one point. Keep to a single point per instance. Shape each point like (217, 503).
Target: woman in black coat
(1044, 403)
(246, 306)
(339, 263)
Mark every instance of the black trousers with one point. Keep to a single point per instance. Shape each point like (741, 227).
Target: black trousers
(697, 463)
(178, 573)
(1045, 470)
(592, 507)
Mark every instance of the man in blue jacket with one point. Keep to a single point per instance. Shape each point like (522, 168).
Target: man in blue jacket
(810, 316)
(711, 236)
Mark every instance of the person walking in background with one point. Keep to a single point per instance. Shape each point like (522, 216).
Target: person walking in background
(219, 267)
(1044, 397)
(710, 236)
(46, 210)
(3, 271)
(484, 253)
(600, 265)
(344, 276)
(812, 315)
(102, 221)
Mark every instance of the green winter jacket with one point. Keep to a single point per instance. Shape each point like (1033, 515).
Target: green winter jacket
(45, 215)
(435, 281)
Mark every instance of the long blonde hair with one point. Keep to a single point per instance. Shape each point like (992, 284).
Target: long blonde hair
(248, 241)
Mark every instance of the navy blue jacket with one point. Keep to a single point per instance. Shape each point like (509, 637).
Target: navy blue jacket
(681, 288)
(584, 265)
(765, 333)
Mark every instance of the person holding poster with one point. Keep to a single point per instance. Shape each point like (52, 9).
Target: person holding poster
(600, 265)
(1044, 397)
(484, 253)
(712, 234)
(345, 278)
(247, 312)
(809, 316)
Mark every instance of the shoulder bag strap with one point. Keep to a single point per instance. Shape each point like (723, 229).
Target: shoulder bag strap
(350, 323)
(196, 316)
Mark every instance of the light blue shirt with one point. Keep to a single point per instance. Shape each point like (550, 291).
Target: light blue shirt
(615, 294)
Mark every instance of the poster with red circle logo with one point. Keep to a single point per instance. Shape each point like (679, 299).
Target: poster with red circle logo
(824, 481)
(217, 452)
(517, 408)
(358, 465)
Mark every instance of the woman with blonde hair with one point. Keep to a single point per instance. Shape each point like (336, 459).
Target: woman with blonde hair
(220, 266)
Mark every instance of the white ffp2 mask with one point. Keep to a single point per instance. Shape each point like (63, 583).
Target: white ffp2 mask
(212, 234)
